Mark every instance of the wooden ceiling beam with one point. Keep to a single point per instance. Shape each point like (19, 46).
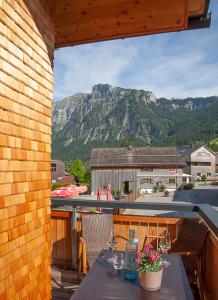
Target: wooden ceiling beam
(85, 21)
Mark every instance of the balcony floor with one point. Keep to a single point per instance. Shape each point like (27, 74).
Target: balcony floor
(64, 283)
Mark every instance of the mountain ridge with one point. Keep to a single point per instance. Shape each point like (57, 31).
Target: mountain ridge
(110, 114)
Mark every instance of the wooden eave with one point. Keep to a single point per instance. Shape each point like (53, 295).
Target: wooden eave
(85, 21)
(137, 166)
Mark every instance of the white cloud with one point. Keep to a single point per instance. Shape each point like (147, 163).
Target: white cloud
(180, 76)
(170, 65)
(79, 68)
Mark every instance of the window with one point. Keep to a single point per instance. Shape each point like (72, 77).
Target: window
(53, 167)
(208, 174)
(206, 163)
(145, 180)
(146, 169)
(172, 180)
(199, 174)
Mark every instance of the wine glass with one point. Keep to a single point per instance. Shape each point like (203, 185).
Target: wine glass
(118, 260)
(165, 245)
(112, 245)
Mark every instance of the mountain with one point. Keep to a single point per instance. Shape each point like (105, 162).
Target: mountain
(108, 115)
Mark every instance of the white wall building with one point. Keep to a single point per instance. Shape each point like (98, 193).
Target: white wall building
(200, 160)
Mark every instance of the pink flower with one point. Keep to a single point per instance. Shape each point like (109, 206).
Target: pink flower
(147, 247)
(153, 256)
(138, 257)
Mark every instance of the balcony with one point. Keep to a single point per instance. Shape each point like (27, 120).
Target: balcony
(195, 238)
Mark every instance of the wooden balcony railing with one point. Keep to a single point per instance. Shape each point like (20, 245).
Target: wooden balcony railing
(65, 235)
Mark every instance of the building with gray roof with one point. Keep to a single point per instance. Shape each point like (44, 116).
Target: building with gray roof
(136, 169)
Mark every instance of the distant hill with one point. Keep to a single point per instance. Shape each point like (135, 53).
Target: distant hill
(110, 114)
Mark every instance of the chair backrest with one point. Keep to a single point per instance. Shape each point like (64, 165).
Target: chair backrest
(191, 237)
(97, 230)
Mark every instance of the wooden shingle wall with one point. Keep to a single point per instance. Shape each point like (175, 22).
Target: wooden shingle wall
(26, 82)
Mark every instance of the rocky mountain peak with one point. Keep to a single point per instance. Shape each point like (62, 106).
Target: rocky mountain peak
(110, 114)
(105, 91)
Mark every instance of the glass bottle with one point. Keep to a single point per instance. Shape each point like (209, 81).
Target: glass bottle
(130, 268)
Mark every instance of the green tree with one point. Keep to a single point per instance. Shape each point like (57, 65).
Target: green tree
(87, 176)
(77, 169)
(126, 142)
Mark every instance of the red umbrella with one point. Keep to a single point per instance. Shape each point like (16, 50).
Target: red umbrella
(108, 192)
(61, 193)
(99, 193)
(69, 191)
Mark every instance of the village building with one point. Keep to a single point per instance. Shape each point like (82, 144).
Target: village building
(216, 168)
(57, 169)
(136, 169)
(200, 160)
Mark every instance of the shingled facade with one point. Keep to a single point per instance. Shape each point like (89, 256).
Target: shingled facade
(137, 169)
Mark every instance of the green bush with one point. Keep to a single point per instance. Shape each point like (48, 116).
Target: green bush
(189, 186)
(162, 188)
(115, 193)
(155, 188)
(204, 178)
(57, 185)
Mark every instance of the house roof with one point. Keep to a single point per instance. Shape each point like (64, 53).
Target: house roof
(57, 161)
(136, 157)
(195, 148)
(66, 179)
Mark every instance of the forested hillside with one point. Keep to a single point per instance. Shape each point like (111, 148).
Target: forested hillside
(111, 115)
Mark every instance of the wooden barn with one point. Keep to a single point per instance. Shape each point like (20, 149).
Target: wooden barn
(136, 169)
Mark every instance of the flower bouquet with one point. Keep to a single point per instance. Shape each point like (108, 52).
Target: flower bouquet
(150, 268)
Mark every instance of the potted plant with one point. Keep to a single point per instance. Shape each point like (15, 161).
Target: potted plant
(166, 193)
(155, 189)
(150, 268)
(162, 188)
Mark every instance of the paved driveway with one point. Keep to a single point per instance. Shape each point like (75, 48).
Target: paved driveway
(202, 194)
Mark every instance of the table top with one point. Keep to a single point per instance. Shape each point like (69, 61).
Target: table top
(103, 282)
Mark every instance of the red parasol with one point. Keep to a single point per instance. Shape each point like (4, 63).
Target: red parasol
(108, 192)
(99, 193)
(69, 191)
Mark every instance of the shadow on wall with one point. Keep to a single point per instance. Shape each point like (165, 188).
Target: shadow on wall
(62, 253)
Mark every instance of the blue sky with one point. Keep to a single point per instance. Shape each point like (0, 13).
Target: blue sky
(179, 65)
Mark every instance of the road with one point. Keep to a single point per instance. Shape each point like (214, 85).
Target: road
(202, 194)
(199, 195)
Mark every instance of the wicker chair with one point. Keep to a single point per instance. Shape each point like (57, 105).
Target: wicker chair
(97, 230)
(190, 245)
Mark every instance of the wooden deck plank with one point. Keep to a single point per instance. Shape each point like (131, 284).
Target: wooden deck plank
(64, 283)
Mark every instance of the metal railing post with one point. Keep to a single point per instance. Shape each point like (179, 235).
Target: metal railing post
(74, 238)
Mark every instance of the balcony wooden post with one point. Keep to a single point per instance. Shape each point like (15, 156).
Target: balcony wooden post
(74, 241)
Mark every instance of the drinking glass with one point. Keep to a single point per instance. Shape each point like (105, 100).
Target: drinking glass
(118, 260)
(165, 245)
(112, 245)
